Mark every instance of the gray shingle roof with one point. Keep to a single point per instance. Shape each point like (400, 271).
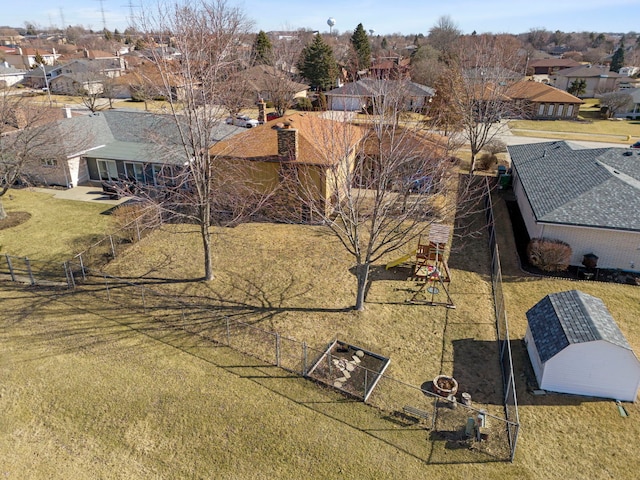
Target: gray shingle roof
(565, 184)
(565, 318)
(369, 86)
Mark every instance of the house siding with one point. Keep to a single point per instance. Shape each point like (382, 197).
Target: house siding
(599, 369)
(534, 230)
(620, 250)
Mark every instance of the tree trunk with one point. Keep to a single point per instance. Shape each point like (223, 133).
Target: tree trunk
(3, 213)
(362, 276)
(206, 244)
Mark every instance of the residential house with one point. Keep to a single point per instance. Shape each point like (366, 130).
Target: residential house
(633, 110)
(40, 77)
(26, 57)
(390, 68)
(588, 198)
(358, 96)
(73, 84)
(270, 84)
(542, 68)
(10, 76)
(539, 101)
(316, 149)
(111, 145)
(598, 79)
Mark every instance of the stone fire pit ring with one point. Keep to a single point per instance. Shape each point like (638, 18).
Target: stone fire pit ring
(444, 385)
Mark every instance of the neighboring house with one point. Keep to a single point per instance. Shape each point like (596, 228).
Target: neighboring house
(10, 76)
(576, 347)
(72, 84)
(537, 100)
(35, 78)
(393, 68)
(357, 96)
(598, 79)
(633, 110)
(269, 83)
(111, 67)
(629, 71)
(312, 146)
(542, 68)
(588, 198)
(26, 57)
(115, 145)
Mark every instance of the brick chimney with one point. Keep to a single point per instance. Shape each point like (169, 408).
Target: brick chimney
(287, 142)
(262, 115)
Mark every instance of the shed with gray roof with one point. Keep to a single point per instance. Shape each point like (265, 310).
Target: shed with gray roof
(576, 347)
(588, 198)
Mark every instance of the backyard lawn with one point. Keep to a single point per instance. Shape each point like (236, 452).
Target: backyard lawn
(94, 390)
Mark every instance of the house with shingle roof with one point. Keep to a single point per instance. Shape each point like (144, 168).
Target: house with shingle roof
(139, 147)
(303, 151)
(537, 100)
(576, 347)
(356, 96)
(598, 79)
(586, 197)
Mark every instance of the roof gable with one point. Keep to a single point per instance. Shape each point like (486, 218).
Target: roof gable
(540, 92)
(566, 318)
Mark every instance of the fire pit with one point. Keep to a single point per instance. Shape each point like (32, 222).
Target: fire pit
(445, 385)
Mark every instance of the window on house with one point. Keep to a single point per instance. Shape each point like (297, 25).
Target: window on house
(107, 169)
(570, 111)
(135, 171)
(550, 110)
(49, 162)
(541, 109)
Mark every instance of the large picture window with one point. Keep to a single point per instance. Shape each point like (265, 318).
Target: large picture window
(107, 169)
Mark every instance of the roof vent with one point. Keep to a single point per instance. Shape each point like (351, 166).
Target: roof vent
(627, 153)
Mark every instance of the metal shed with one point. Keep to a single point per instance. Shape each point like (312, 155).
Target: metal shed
(576, 347)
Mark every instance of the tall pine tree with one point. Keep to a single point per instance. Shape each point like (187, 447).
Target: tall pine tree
(262, 50)
(360, 43)
(318, 65)
(617, 61)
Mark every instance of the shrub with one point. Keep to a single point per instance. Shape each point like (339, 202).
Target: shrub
(495, 146)
(548, 254)
(304, 104)
(486, 161)
(131, 219)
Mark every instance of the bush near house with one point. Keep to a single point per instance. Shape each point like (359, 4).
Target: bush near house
(549, 254)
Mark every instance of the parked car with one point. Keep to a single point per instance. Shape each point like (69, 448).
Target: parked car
(636, 145)
(242, 121)
(272, 116)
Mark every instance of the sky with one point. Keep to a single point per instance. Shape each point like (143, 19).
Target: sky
(381, 16)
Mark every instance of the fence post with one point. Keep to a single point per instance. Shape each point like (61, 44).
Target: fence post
(106, 282)
(28, 264)
(113, 248)
(13, 276)
(84, 276)
(277, 349)
(304, 358)
(366, 371)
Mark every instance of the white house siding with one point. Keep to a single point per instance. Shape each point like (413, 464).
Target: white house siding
(347, 104)
(78, 172)
(533, 355)
(525, 209)
(599, 369)
(615, 249)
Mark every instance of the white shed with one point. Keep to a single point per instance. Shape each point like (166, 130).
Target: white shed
(575, 346)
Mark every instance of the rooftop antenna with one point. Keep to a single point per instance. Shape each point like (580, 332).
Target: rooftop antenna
(331, 22)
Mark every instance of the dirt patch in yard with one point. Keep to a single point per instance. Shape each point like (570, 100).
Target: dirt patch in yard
(14, 219)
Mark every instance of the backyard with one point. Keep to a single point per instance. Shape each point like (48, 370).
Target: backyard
(96, 389)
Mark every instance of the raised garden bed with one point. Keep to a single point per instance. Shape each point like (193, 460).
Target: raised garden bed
(350, 369)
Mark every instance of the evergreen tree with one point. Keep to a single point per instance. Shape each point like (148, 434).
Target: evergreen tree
(360, 43)
(577, 87)
(262, 50)
(39, 59)
(384, 45)
(107, 34)
(617, 61)
(317, 64)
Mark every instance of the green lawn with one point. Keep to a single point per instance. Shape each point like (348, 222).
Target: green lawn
(56, 229)
(91, 390)
(616, 131)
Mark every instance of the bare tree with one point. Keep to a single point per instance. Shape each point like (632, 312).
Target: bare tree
(616, 102)
(480, 72)
(207, 35)
(389, 182)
